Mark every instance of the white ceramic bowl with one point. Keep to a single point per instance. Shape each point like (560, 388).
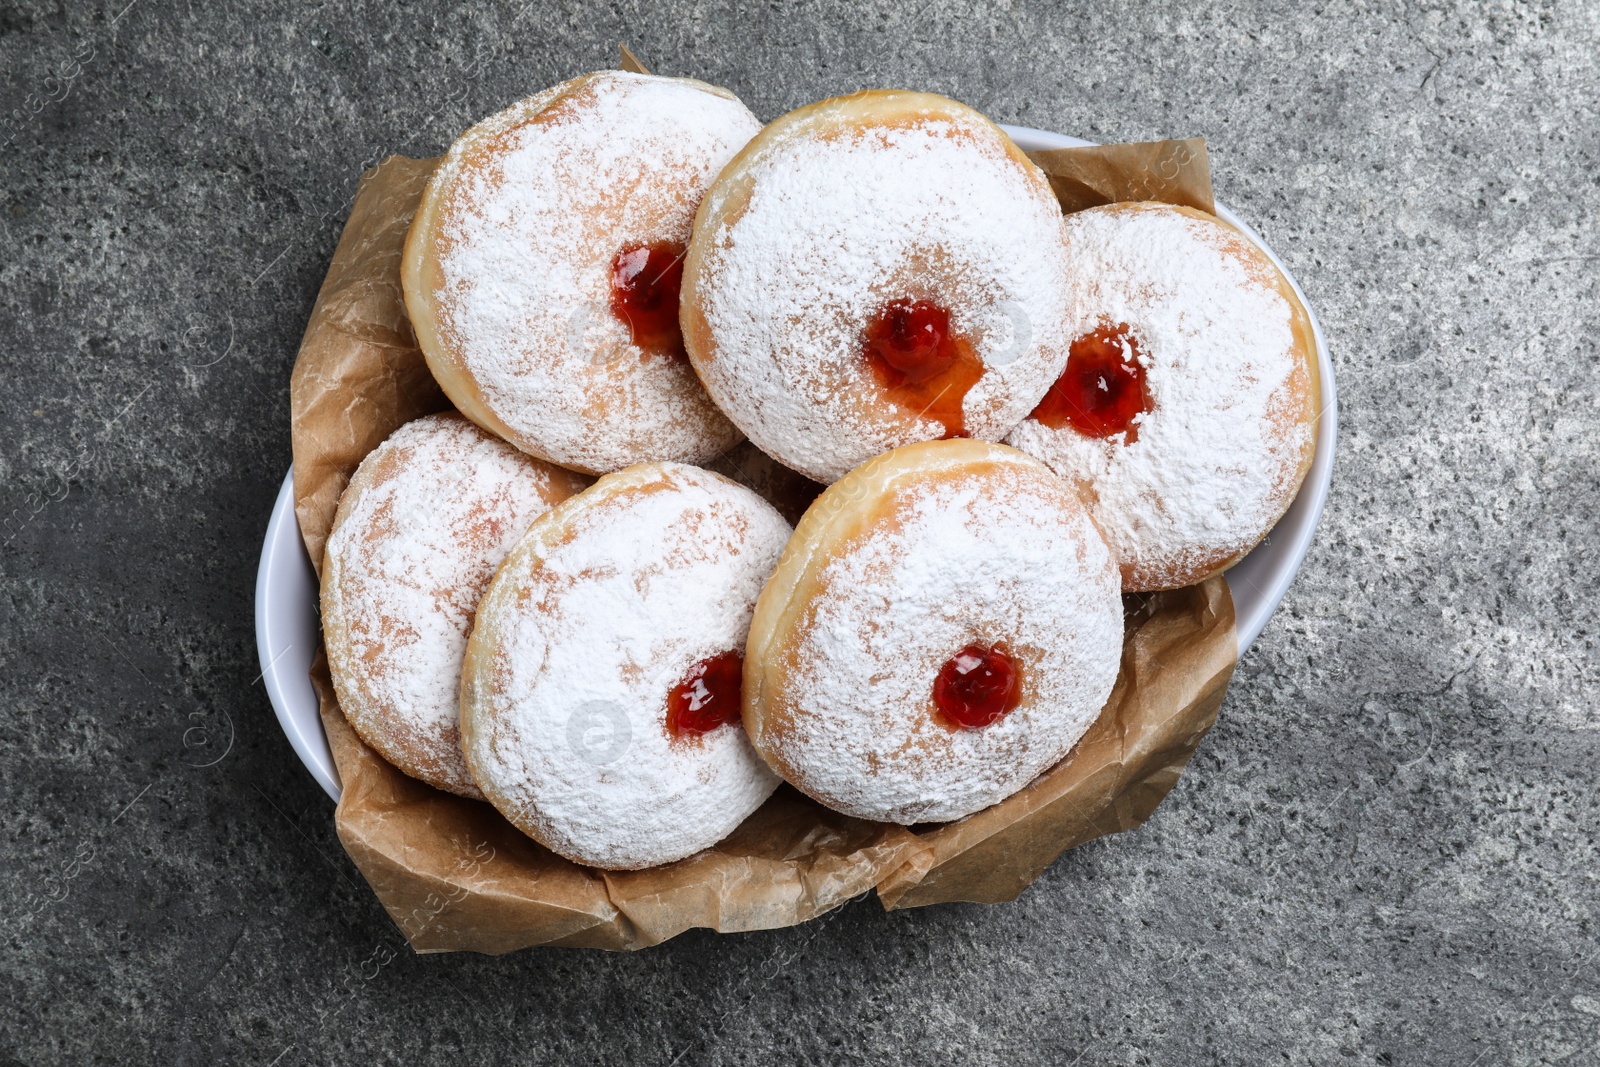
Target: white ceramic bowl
(286, 588)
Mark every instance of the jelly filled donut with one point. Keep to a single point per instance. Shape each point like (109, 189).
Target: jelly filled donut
(600, 701)
(945, 625)
(419, 531)
(541, 271)
(1187, 410)
(874, 270)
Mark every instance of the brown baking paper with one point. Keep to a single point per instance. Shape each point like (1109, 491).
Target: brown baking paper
(360, 373)
(1175, 172)
(629, 61)
(454, 874)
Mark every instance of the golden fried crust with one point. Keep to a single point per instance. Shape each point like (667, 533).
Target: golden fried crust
(802, 402)
(413, 545)
(1298, 402)
(836, 609)
(618, 405)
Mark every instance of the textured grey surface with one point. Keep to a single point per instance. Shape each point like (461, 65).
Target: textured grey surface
(1385, 852)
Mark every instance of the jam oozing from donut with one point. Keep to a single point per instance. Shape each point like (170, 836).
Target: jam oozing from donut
(977, 686)
(1103, 388)
(707, 697)
(644, 295)
(921, 363)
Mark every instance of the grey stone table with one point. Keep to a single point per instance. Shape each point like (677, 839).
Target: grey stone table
(1385, 852)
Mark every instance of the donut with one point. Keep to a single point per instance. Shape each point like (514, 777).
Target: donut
(944, 626)
(541, 269)
(418, 533)
(600, 700)
(875, 270)
(1187, 411)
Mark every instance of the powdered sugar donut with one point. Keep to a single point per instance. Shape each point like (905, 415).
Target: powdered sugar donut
(945, 625)
(1187, 410)
(419, 531)
(541, 270)
(600, 697)
(874, 270)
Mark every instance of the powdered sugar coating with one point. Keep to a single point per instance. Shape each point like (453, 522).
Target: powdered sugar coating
(844, 215)
(427, 518)
(998, 552)
(594, 617)
(534, 205)
(1219, 456)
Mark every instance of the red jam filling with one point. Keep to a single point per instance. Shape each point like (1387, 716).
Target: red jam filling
(644, 295)
(977, 686)
(1102, 389)
(920, 363)
(707, 697)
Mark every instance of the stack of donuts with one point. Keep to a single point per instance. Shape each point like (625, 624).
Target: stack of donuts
(821, 452)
